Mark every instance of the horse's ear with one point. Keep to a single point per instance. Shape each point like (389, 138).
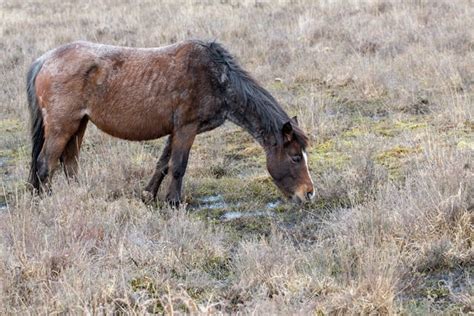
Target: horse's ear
(295, 119)
(287, 131)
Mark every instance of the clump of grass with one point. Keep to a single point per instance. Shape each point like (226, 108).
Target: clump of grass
(393, 159)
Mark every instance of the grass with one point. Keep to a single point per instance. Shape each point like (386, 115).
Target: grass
(383, 88)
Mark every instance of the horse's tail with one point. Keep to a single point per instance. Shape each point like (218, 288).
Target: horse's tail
(241, 88)
(37, 128)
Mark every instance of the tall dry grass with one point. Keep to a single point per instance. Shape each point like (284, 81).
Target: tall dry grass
(384, 88)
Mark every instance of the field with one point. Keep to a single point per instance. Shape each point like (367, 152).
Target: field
(385, 91)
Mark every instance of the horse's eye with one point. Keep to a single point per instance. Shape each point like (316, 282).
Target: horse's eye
(296, 158)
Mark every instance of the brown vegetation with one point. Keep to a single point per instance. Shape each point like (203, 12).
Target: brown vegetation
(384, 88)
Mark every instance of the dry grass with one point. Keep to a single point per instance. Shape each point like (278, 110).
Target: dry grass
(384, 88)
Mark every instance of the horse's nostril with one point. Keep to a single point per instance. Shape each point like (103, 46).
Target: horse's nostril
(310, 194)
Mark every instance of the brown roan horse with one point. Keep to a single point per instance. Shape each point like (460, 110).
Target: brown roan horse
(138, 94)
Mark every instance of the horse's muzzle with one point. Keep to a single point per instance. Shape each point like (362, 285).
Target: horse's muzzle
(304, 195)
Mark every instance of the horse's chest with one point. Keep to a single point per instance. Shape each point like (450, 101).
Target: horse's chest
(212, 119)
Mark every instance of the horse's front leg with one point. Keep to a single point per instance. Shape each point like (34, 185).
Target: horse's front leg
(149, 194)
(181, 142)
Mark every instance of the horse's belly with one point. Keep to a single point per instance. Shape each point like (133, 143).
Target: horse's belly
(142, 126)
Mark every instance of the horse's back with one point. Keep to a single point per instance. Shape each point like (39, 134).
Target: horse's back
(71, 58)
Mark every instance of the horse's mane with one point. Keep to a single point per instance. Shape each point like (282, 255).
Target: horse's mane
(252, 95)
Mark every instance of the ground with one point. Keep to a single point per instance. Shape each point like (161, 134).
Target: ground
(384, 89)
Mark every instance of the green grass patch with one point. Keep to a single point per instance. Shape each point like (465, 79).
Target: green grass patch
(234, 190)
(217, 267)
(393, 159)
(326, 155)
(10, 126)
(145, 283)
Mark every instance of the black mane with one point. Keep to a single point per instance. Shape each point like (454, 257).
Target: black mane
(245, 90)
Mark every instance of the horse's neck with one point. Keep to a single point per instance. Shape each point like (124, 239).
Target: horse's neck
(253, 124)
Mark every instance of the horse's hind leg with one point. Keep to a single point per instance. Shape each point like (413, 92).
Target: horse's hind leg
(70, 154)
(55, 142)
(161, 171)
(48, 159)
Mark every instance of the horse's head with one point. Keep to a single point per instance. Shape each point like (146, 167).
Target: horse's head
(287, 163)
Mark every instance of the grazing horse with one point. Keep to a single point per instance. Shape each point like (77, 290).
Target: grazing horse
(139, 94)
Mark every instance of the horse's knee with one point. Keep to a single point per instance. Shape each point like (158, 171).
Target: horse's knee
(178, 172)
(164, 170)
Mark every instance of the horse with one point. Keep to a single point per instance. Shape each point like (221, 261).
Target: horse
(137, 94)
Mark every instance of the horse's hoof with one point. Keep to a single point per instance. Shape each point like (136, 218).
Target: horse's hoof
(174, 203)
(147, 197)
